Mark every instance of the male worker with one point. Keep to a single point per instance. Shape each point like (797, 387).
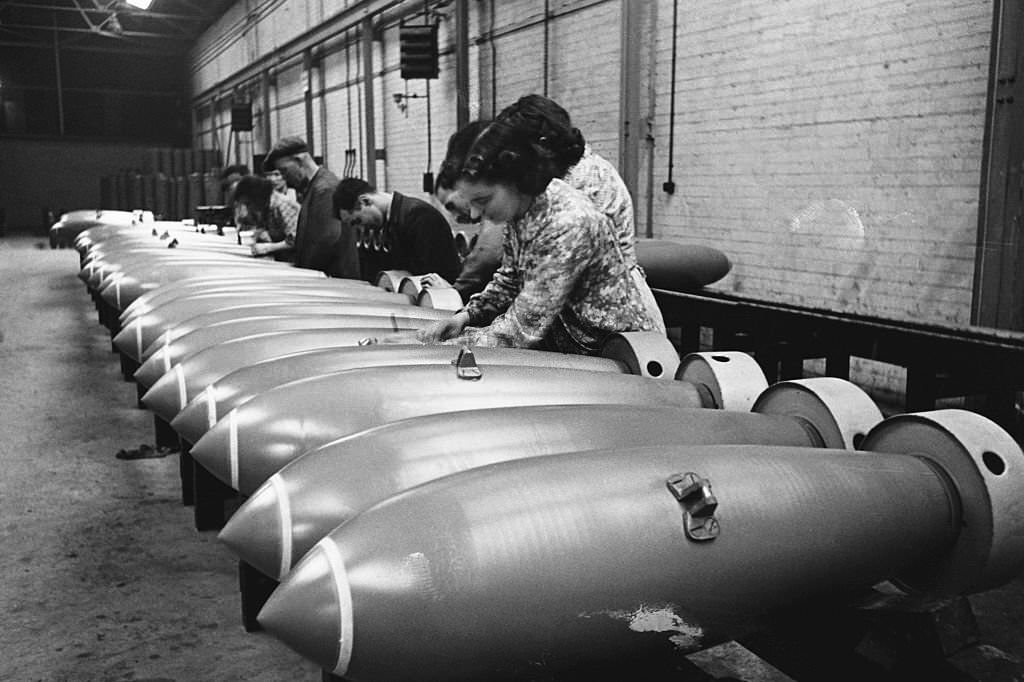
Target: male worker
(485, 256)
(410, 233)
(322, 242)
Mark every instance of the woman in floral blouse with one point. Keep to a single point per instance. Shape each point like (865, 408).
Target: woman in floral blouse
(565, 281)
(273, 215)
(548, 123)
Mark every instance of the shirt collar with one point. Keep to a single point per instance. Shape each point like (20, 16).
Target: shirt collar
(301, 189)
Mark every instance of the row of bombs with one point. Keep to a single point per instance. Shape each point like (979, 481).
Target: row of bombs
(433, 512)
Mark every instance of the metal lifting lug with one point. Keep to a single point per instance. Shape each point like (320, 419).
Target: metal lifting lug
(465, 365)
(699, 504)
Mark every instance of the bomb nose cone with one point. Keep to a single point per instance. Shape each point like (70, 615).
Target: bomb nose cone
(124, 341)
(217, 449)
(112, 289)
(166, 396)
(259, 532)
(311, 611)
(153, 368)
(161, 342)
(96, 275)
(196, 418)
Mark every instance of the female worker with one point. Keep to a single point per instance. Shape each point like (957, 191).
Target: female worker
(565, 282)
(549, 126)
(271, 214)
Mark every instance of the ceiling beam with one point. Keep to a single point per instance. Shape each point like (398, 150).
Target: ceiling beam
(97, 31)
(347, 18)
(96, 9)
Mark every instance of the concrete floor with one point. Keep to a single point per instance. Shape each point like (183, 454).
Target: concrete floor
(104, 577)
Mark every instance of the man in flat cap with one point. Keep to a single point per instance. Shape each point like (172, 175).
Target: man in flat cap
(321, 241)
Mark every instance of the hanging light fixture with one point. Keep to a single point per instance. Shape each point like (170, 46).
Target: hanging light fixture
(141, 4)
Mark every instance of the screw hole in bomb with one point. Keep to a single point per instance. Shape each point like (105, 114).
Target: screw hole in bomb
(720, 358)
(993, 462)
(654, 368)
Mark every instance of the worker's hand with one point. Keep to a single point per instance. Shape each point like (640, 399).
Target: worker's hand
(434, 280)
(443, 330)
(399, 338)
(261, 248)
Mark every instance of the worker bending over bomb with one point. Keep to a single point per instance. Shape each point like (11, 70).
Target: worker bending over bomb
(269, 213)
(321, 241)
(485, 256)
(411, 234)
(565, 281)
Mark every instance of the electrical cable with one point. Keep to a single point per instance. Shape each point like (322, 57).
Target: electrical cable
(669, 186)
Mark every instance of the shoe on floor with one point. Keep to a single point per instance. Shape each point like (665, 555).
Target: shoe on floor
(142, 452)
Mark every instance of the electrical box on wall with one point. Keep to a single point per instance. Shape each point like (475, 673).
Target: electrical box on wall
(418, 51)
(241, 117)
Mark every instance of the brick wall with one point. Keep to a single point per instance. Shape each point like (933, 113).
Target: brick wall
(831, 149)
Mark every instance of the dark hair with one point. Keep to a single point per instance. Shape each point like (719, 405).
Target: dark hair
(458, 144)
(237, 169)
(529, 144)
(346, 194)
(255, 191)
(501, 153)
(548, 125)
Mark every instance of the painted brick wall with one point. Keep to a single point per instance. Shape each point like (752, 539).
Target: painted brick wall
(832, 149)
(343, 130)
(583, 62)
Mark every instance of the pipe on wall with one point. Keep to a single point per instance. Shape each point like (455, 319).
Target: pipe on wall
(268, 134)
(370, 114)
(461, 63)
(60, 88)
(307, 96)
(629, 94)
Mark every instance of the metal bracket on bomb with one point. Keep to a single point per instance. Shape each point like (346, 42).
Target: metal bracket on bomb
(699, 504)
(466, 367)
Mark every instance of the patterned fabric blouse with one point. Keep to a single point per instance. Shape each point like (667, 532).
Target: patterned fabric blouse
(283, 218)
(596, 177)
(562, 284)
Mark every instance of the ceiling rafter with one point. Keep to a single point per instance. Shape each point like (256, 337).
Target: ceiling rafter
(177, 20)
(95, 30)
(97, 8)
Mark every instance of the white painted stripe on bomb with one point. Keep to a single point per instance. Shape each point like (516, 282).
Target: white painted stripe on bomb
(340, 575)
(179, 374)
(211, 406)
(233, 446)
(284, 517)
(138, 338)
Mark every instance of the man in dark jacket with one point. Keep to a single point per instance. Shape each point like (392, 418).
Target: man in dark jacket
(322, 242)
(398, 232)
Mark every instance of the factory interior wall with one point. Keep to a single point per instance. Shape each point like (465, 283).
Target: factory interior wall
(835, 148)
(832, 151)
(72, 172)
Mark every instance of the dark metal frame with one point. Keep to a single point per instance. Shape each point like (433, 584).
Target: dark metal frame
(940, 362)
